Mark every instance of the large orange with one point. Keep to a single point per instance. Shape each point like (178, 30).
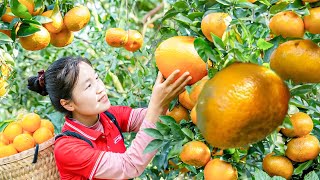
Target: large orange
(241, 104)
(135, 41)
(36, 41)
(6, 17)
(215, 23)
(303, 148)
(217, 169)
(178, 113)
(48, 124)
(62, 38)
(116, 37)
(193, 115)
(185, 101)
(298, 60)
(287, 24)
(23, 142)
(12, 130)
(312, 21)
(42, 134)
(4, 139)
(7, 150)
(195, 153)
(179, 53)
(77, 18)
(31, 122)
(277, 166)
(57, 21)
(302, 125)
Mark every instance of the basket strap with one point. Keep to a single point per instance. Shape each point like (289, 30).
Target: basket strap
(36, 152)
(114, 120)
(73, 134)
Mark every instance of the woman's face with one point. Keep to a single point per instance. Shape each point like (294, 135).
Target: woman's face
(89, 94)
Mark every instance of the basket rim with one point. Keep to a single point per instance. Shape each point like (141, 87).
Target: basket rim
(26, 153)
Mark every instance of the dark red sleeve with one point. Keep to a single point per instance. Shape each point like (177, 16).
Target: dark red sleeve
(122, 114)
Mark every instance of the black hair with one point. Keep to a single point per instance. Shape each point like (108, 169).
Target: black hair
(59, 81)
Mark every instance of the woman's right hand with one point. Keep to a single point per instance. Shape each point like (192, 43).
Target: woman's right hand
(164, 91)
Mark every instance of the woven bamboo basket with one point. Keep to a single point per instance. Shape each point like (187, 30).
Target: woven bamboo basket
(21, 166)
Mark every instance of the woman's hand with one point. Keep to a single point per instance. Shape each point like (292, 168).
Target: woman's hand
(164, 91)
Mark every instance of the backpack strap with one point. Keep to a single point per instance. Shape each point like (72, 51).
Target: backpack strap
(73, 134)
(114, 120)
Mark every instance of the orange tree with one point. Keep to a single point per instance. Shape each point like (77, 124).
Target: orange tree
(245, 33)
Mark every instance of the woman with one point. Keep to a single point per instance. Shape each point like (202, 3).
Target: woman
(75, 89)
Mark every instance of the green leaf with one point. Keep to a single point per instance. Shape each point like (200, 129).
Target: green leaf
(27, 30)
(181, 6)
(195, 15)
(56, 9)
(4, 38)
(167, 120)
(5, 26)
(29, 21)
(172, 12)
(278, 7)
(259, 174)
(275, 41)
(311, 176)
(153, 133)
(188, 133)
(164, 129)
(302, 167)
(42, 19)
(302, 89)
(19, 9)
(176, 132)
(38, 4)
(287, 123)
(217, 42)
(191, 168)
(224, 2)
(183, 19)
(4, 124)
(175, 151)
(263, 44)
(204, 50)
(153, 145)
(278, 178)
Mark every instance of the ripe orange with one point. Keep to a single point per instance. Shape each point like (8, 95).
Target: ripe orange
(31, 122)
(178, 113)
(217, 169)
(311, 1)
(287, 24)
(36, 41)
(215, 23)
(302, 125)
(116, 37)
(23, 142)
(6, 17)
(195, 153)
(12, 130)
(4, 139)
(77, 18)
(303, 148)
(197, 88)
(252, 1)
(7, 32)
(135, 41)
(42, 134)
(185, 101)
(62, 38)
(277, 166)
(57, 22)
(179, 53)
(233, 109)
(7, 151)
(312, 21)
(175, 167)
(193, 115)
(286, 61)
(48, 124)
(30, 6)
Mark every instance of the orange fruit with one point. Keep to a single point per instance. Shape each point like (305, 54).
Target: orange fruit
(193, 115)
(6, 32)
(217, 169)
(178, 113)
(27, 132)
(197, 88)
(179, 53)
(233, 109)
(36, 41)
(5, 70)
(135, 41)
(311, 1)
(7, 151)
(185, 101)
(302, 125)
(4, 139)
(48, 124)
(287, 24)
(302, 149)
(42, 134)
(6, 17)
(3, 87)
(62, 38)
(23, 142)
(12, 130)
(312, 21)
(277, 166)
(116, 37)
(195, 153)
(215, 23)
(30, 6)
(57, 22)
(175, 167)
(252, 1)
(31, 122)
(2, 144)
(77, 18)
(286, 61)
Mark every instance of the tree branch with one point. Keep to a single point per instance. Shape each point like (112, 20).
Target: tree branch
(152, 12)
